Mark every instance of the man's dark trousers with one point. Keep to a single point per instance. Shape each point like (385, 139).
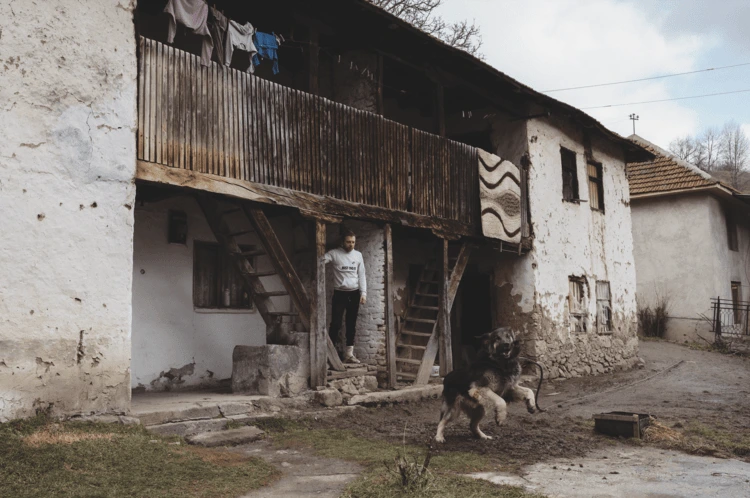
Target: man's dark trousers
(344, 301)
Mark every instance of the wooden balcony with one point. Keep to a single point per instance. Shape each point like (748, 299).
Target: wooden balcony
(221, 122)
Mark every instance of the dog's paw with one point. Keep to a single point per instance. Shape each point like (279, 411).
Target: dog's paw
(531, 409)
(500, 419)
(485, 437)
(439, 439)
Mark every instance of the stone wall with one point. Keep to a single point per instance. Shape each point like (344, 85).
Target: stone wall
(67, 164)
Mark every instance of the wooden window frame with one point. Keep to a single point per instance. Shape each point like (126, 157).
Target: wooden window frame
(603, 307)
(577, 304)
(732, 235)
(570, 166)
(224, 273)
(596, 184)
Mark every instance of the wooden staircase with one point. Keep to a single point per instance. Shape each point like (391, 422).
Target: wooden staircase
(225, 224)
(417, 342)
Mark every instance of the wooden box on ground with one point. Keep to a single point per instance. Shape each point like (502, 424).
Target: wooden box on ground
(623, 424)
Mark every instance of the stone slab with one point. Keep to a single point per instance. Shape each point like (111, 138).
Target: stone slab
(177, 415)
(231, 437)
(270, 370)
(401, 396)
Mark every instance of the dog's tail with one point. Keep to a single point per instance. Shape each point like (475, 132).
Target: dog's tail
(452, 387)
(541, 379)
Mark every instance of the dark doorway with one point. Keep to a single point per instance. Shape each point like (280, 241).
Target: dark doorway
(473, 315)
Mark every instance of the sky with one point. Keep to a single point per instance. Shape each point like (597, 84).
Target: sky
(552, 44)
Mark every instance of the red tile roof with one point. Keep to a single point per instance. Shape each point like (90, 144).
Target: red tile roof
(665, 173)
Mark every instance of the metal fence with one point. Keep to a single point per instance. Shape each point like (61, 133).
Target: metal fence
(730, 318)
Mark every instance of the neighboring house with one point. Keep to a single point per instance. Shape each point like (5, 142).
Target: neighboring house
(159, 212)
(691, 244)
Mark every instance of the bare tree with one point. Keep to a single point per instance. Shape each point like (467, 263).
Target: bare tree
(709, 143)
(421, 14)
(735, 150)
(685, 148)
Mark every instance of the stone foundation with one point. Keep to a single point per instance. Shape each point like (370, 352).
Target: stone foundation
(270, 370)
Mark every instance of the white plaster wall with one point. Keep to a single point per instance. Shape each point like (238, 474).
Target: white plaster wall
(572, 239)
(681, 253)
(67, 163)
(176, 346)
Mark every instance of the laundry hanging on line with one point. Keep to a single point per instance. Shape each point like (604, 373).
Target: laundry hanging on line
(192, 14)
(217, 25)
(240, 36)
(268, 46)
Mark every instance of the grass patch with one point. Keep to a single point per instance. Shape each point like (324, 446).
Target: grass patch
(376, 484)
(346, 445)
(380, 482)
(41, 458)
(700, 439)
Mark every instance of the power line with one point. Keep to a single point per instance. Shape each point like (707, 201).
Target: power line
(646, 79)
(665, 100)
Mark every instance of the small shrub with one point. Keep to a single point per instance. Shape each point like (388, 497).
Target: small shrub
(652, 320)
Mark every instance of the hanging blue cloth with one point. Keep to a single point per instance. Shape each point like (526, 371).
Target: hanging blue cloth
(267, 46)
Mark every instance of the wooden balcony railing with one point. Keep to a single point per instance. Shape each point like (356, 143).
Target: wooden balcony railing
(221, 121)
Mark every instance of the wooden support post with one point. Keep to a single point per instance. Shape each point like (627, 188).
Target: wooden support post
(440, 108)
(318, 335)
(444, 315)
(313, 62)
(390, 319)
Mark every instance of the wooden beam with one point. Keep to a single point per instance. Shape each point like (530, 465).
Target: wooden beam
(444, 314)
(458, 272)
(312, 215)
(267, 194)
(318, 334)
(390, 319)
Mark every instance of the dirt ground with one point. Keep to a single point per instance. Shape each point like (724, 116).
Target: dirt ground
(702, 387)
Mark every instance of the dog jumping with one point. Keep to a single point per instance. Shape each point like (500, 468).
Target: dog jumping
(493, 378)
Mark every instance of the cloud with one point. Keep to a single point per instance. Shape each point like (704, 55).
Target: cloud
(550, 44)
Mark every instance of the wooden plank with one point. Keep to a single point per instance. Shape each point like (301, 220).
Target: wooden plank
(192, 113)
(318, 331)
(141, 94)
(152, 102)
(182, 81)
(264, 193)
(390, 319)
(159, 100)
(172, 139)
(444, 315)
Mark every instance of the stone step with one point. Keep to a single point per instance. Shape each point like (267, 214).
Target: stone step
(404, 395)
(231, 437)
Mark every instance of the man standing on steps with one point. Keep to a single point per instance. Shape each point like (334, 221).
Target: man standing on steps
(349, 290)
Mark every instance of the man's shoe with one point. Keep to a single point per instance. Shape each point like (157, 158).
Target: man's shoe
(349, 355)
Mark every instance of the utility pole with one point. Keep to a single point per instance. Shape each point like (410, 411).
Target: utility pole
(634, 117)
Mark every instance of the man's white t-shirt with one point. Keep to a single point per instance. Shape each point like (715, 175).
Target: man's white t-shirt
(348, 270)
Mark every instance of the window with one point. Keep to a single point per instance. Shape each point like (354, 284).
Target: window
(596, 186)
(731, 231)
(603, 307)
(216, 282)
(736, 300)
(177, 229)
(569, 174)
(577, 303)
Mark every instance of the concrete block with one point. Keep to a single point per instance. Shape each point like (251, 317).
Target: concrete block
(192, 413)
(270, 370)
(328, 397)
(231, 437)
(401, 396)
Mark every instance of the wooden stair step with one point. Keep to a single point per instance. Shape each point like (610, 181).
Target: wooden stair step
(255, 252)
(407, 375)
(426, 295)
(411, 346)
(241, 232)
(419, 320)
(260, 273)
(420, 307)
(418, 334)
(409, 361)
(272, 293)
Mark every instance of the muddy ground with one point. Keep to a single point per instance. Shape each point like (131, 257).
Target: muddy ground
(702, 387)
